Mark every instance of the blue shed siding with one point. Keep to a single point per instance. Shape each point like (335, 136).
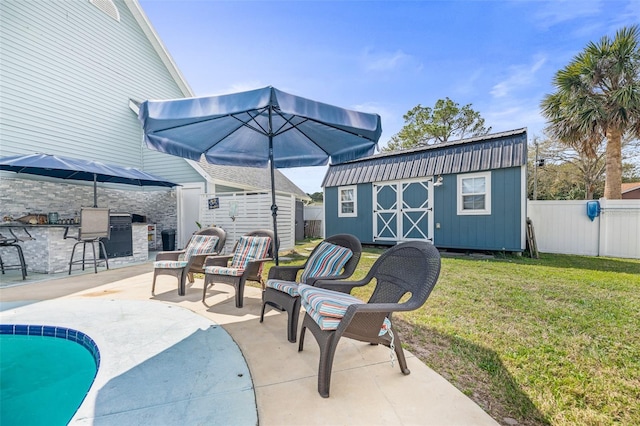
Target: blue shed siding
(360, 226)
(501, 230)
(502, 154)
(68, 71)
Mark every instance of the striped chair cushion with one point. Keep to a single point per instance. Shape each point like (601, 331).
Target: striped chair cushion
(326, 303)
(223, 270)
(327, 261)
(327, 307)
(170, 264)
(289, 287)
(200, 244)
(249, 249)
(325, 323)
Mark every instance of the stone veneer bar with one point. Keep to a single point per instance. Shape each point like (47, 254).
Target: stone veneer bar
(49, 252)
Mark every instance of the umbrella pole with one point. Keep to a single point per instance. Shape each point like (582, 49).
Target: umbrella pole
(95, 190)
(274, 206)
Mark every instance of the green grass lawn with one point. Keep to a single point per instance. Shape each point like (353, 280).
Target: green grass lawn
(553, 340)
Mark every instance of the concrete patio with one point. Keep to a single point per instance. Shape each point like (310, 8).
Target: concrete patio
(365, 389)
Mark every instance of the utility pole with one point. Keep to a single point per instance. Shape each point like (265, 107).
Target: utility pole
(538, 163)
(535, 174)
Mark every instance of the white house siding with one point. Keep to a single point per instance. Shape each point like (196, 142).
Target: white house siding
(67, 73)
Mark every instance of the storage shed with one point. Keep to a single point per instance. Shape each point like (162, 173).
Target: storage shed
(468, 194)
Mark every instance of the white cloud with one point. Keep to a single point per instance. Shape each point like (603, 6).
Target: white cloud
(629, 15)
(520, 76)
(470, 84)
(509, 116)
(387, 61)
(556, 12)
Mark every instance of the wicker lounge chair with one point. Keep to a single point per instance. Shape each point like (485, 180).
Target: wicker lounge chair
(249, 254)
(335, 258)
(184, 263)
(410, 268)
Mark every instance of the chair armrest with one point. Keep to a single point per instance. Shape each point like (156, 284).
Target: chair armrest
(221, 260)
(169, 255)
(374, 310)
(253, 267)
(196, 261)
(342, 286)
(330, 278)
(284, 273)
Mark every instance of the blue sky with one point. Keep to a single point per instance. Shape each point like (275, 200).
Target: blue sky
(387, 56)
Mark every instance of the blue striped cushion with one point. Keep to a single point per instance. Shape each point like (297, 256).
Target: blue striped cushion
(223, 270)
(200, 244)
(326, 303)
(289, 287)
(170, 264)
(325, 323)
(249, 249)
(327, 261)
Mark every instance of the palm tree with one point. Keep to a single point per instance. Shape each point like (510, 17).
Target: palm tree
(598, 96)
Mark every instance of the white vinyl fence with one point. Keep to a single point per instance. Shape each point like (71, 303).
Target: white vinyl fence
(238, 213)
(313, 220)
(564, 227)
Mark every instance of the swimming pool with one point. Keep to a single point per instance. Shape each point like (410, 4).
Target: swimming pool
(45, 373)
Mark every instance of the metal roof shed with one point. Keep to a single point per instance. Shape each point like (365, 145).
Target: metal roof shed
(466, 194)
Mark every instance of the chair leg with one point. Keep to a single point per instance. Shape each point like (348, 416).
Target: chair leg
(182, 278)
(302, 333)
(328, 342)
(104, 250)
(284, 302)
(84, 251)
(206, 284)
(240, 293)
(153, 284)
(402, 362)
(73, 251)
(292, 320)
(95, 260)
(23, 264)
(264, 305)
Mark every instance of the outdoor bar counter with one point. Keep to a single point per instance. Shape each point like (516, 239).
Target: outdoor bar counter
(48, 252)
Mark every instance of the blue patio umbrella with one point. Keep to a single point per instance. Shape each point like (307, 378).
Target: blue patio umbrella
(258, 128)
(77, 169)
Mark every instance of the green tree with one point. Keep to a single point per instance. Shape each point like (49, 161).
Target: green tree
(316, 197)
(425, 126)
(567, 174)
(598, 97)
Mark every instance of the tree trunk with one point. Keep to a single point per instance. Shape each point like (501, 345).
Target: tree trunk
(613, 171)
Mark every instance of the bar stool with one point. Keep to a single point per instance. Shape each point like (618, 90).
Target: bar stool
(13, 242)
(94, 225)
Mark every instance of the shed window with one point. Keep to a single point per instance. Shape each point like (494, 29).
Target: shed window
(474, 194)
(347, 201)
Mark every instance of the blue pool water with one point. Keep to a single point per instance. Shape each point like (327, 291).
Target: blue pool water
(45, 373)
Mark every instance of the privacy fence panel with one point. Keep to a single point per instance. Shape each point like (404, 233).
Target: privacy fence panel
(238, 213)
(564, 227)
(313, 221)
(620, 228)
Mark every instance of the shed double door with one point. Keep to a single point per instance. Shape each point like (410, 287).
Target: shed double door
(403, 210)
